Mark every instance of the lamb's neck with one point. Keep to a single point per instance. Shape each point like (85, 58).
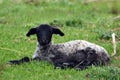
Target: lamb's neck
(45, 48)
(48, 49)
(44, 52)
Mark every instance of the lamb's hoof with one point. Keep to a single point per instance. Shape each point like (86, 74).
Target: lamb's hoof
(16, 62)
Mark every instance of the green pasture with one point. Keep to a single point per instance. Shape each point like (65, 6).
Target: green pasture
(91, 20)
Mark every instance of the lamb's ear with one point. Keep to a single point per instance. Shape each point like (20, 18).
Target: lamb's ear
(57, 31)
(31, 32)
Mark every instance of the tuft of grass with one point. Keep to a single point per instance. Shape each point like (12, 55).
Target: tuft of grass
(105, 73)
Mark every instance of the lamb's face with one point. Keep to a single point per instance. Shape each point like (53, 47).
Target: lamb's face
(44, 33)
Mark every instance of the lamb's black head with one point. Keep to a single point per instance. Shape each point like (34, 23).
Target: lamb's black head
(44, 33)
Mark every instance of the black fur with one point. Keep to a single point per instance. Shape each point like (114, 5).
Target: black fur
(17, 62)
(75, 61)
(44, 33)
(31, 32)
(23, 60)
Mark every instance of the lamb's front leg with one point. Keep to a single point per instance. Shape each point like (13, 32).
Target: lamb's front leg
(26, 59)
(23, 60)
(17, 62)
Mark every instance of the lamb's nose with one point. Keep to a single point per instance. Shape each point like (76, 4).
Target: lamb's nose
(44, 41)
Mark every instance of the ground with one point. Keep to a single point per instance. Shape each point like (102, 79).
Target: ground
(91, 20)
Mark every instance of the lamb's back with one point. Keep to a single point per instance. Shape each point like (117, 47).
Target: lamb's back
(73, 46)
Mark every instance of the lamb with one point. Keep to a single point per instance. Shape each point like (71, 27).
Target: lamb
(45, 50)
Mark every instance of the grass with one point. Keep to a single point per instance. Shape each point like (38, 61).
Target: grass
(92, 21)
